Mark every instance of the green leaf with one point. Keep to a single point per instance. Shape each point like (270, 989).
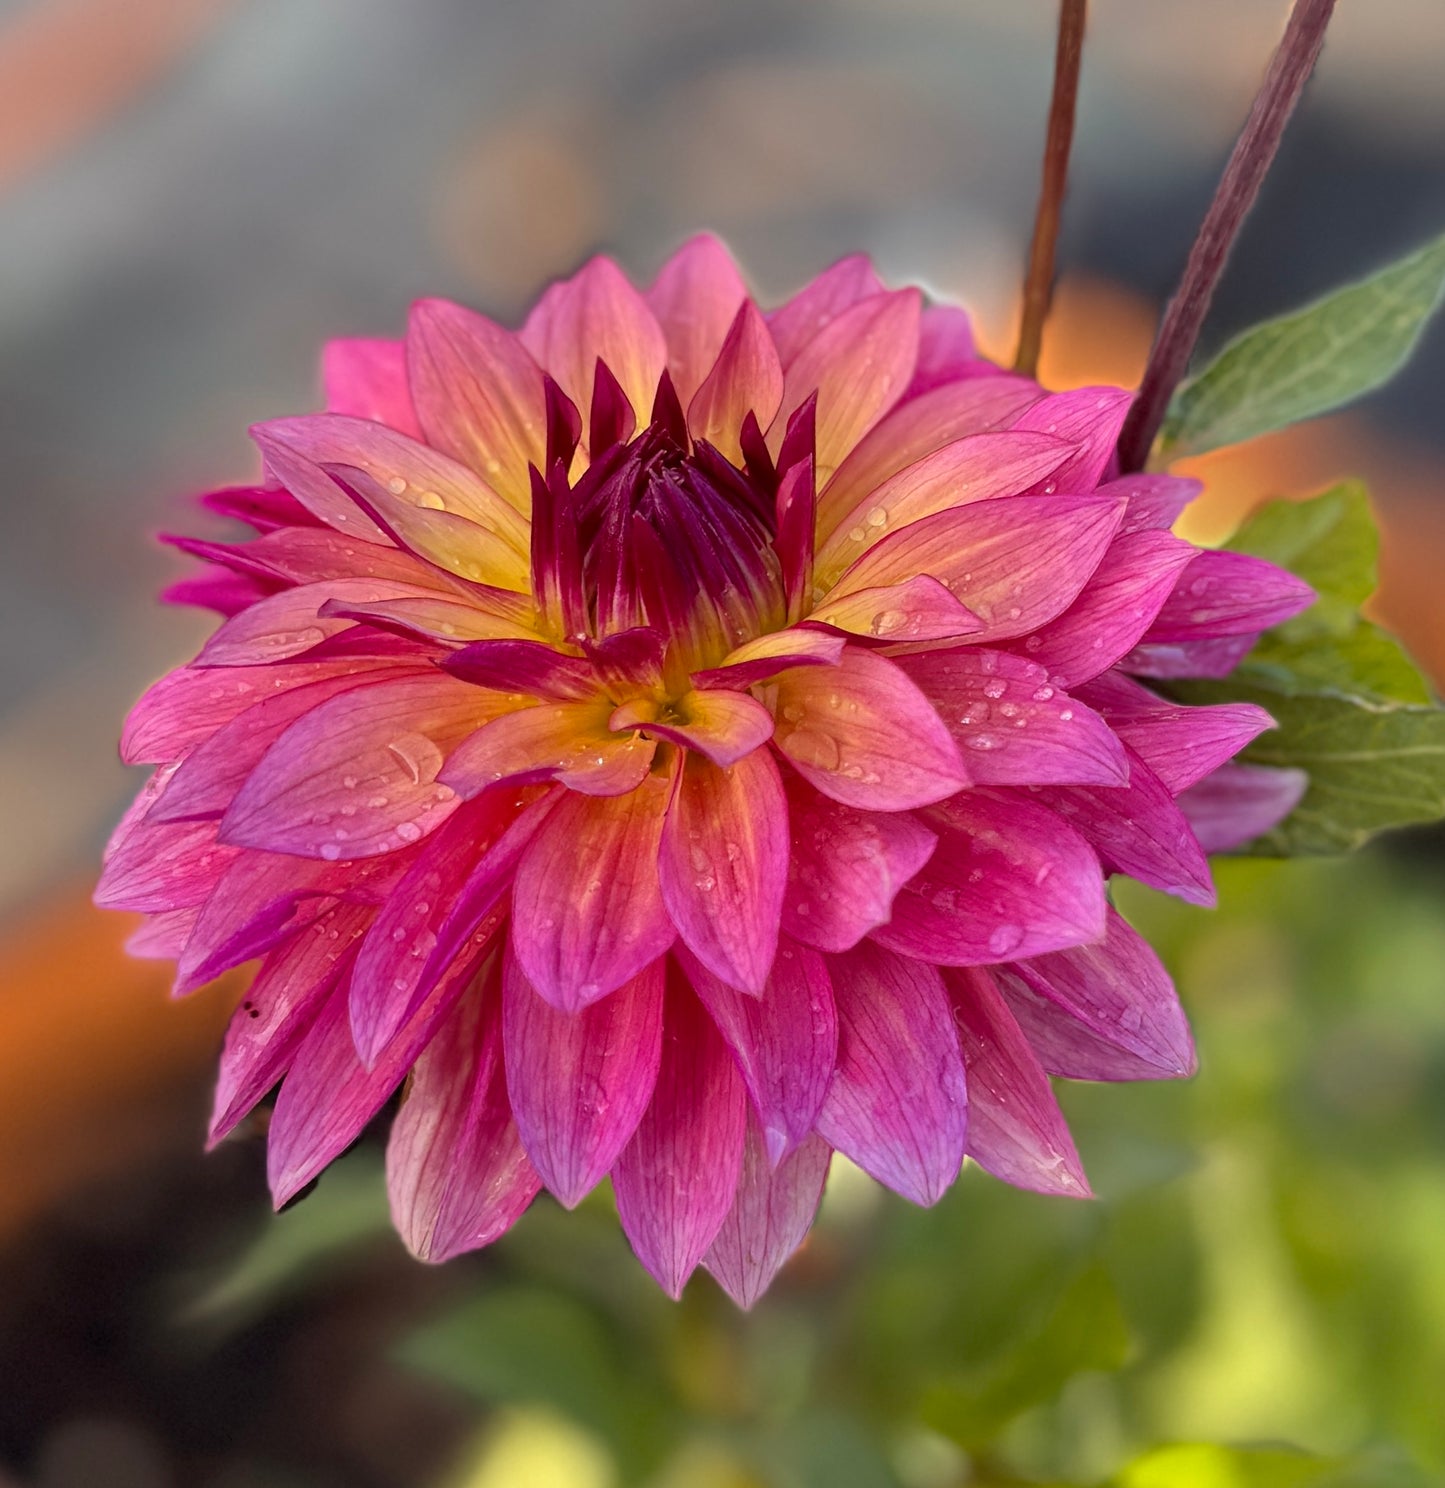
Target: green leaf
(1205, 1465)
(1308, 363)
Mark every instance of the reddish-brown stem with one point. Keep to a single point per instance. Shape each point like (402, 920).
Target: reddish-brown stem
(1039, 282)
(1253, 153)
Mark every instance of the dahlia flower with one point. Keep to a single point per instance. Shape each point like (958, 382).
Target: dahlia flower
(677, 741)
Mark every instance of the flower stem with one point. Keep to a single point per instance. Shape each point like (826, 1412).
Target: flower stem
(1039, 282)
(1253, 154)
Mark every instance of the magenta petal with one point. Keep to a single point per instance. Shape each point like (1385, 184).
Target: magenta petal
(396, 969)
(1106, 1011)
(676, 1179)
(1155, 502)
(1008, 878)
(764, 657)
(1237, 803)
(587, 909)
(918, 609)
(456, 1172)
(1181, 745)
(366, 378)
(528, 667)
(1015, 1127)
(1213, 658)
(357, 775)
(864, 734)
(1117, 606)
(770, 1217)
(897, 1105)
(916, 428)
(279, 1006)
(1016, 562)
(696, 296)
(579, 1082)
(946, 349)
(1137, 829)
(1229, 594)
(746, 378)
(796, 323)
(158, 866)
(846, 867)
(163, 936)
(723, 864)
(1014, 726)
(1090, 418)
(785, 1041)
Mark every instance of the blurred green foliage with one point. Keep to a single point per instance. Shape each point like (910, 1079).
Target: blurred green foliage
(1255, 1300)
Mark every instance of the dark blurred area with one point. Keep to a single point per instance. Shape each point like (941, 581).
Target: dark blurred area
(194, 194)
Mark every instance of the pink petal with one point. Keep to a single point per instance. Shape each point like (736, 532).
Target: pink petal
(797, 514)
(770, 1217)
(1015, 1127)
(846, 867)
(676, 1179)
(863, 734)
(225, 593)
(153, 867)
(724, 726)
(396, 967)
(456, 1173)
(366, 378)
(478, 395)
(358, 775)
(1090, 419)
(304, 555)
(916, 428)
(566, 742)
(1213, 658)
(265, 508)
(897, 1105)
(981, 467)
(858, 366)
(296, 449)
(764, 657)
(579, 1082)
(946, 349)
(596, 315)
(450, 621)
(745, 378)
(1016, 562)
(785, 1041)
(723, 863)
(1237, 803)
(1134, 578)
(1228, 594)
(162, 937)
(1007, 879)
(1137, 829)
(587, 908)
(1155, 502)
(1106, 1011)
(794, 324)
(1181, 745)
(696, 296)
(279, 1007)
(525, 667)
(919, 609)
(1015, 727)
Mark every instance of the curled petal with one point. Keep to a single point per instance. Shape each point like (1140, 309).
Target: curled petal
(858, 365)
(1105, 1011)
(525, 668)
(724, 726)
(456, 1173)
(1016, 562)
(587, 908)
(846, 867)
(770, 1217)
(358, 774)
(1015, 1127)
(723, 864)
(897, 1104)
(863, 734)
(785, 1041)
(696, 297)
(478, 395)
(745, 378)
(580, 1081)
(570, 743)
(1237, 803)
(1007, 879)
(366, 378)
(449, 621)
(1229, 594)
(764, 657)
(676, 1178)
(1014, 726)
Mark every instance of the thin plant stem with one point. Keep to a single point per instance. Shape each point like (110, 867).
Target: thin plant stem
(1253, 154)
(1039, 281)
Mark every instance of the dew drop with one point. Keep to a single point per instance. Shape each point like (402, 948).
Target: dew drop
(408, 831)
(330, 851)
